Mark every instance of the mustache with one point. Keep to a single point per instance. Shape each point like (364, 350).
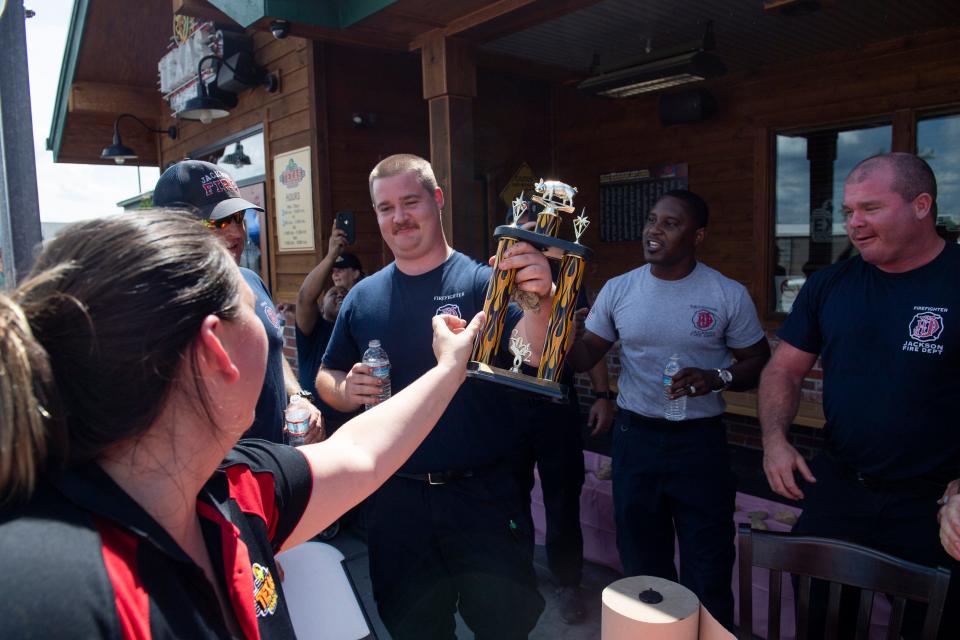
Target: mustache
(397, 228)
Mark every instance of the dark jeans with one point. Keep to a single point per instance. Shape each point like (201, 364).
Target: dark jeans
(898, 522)
(434, 549)
(674, 478)
(550, 438)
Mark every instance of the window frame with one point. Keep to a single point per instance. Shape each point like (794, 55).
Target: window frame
(903, 123)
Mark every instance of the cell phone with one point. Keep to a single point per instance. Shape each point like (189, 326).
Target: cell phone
(345, 221)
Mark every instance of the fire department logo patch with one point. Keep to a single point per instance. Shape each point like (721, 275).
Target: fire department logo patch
(264, 591)
(450, 310)
(926, 326)
(272, 316)
(704, 320)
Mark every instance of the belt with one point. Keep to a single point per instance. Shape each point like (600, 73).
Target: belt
(918, 484)
(662, 424)
(436, 477)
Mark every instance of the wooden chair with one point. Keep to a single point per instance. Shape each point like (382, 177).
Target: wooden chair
(839, 563)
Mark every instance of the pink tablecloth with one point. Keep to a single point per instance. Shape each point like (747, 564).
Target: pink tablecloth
(600, 546)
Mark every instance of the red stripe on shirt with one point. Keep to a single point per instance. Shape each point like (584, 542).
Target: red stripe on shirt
(119, 548)
(254, 493)
(238, 571)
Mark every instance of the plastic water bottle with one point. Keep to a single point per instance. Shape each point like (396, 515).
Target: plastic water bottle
(672, 409)
(296, 422)
(376, 358)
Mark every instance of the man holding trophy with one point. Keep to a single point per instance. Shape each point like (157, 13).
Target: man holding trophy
(445, 533)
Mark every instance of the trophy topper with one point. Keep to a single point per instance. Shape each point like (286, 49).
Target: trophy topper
(520, 349)
(580, 224)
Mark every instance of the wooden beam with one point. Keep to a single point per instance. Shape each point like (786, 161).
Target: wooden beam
(904, 131)
(451, 154)
(98, 97)
(470, 20)
(449, 86)
(449, 68)
(522, 17)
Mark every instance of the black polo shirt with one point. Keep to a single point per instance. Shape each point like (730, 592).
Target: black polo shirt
(83, 560)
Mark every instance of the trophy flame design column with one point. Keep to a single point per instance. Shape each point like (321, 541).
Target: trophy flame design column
(498, 296)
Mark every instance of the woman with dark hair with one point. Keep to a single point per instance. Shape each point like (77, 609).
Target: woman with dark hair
(130, 364)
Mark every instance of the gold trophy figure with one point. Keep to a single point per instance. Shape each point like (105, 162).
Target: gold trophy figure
(556, 197)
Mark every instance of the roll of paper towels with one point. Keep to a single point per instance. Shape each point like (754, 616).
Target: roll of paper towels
(655, 609)
(649, 608)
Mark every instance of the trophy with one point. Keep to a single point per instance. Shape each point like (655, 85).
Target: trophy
(556, 198)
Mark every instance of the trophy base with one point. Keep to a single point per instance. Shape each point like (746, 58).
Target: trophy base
(521, 381)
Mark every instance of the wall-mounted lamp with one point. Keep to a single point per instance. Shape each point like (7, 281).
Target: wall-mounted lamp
(237, 157)
(206, 107)
(118, 151)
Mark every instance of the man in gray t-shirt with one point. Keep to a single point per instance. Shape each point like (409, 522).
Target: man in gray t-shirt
(672, 477)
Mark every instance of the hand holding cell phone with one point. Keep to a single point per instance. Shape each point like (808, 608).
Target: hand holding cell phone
(345, 221)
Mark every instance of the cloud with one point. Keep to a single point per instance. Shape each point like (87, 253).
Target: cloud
(68, 192)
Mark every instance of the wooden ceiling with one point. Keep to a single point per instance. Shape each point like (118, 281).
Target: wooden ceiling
(115, 72)
(611, 32)
(120, 43)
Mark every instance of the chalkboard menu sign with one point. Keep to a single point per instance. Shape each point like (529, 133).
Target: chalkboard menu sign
(627, 196)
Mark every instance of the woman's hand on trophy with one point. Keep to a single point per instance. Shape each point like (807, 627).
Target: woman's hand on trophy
(453, 340)
(533, 269)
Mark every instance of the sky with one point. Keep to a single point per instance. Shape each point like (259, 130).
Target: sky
(68, 192)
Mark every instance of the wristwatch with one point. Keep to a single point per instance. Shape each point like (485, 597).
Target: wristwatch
(726, 377)
(606, 395)
(306, 395)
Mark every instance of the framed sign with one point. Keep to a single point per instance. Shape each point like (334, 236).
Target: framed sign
(627, 196)
(293, 194)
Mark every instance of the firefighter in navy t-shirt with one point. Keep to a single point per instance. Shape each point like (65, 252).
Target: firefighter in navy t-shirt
(445, 533)
(884, 324)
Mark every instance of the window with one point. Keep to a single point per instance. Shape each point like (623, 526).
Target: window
(810, 170)
(938, 142)
(242, 156)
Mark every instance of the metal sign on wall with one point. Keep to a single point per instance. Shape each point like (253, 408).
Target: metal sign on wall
(521, 182)
(627, 196)
(193, 40)
(293, 194)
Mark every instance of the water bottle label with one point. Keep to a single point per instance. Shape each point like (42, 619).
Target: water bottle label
(297, 422)
(382, 371)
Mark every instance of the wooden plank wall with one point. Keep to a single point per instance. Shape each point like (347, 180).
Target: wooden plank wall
(386, 88)
(728, 155)
(321, 86)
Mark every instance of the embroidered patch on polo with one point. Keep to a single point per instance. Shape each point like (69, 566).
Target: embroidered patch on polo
(264, 591)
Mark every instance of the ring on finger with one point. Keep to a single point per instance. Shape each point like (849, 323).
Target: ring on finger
(692, 389)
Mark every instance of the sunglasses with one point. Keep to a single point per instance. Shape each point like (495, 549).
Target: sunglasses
(223, 223)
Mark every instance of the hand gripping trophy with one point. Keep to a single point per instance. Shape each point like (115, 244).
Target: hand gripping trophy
(556, 198)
